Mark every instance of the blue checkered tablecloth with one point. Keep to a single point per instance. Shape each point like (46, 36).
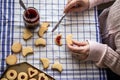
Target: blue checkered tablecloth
(83, 26)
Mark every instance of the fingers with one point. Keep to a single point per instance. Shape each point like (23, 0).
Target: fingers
(79, 47)
(69, 1)
(69, 6)
(75, 9)
(83, 43)
(74, 48)
(76, 6)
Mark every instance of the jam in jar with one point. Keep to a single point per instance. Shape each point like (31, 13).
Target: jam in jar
(31, 17)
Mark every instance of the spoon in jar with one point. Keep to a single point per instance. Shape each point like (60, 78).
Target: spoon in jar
(23, 6)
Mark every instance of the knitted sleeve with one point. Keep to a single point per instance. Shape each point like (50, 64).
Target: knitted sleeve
(104, 56)
(93, 3)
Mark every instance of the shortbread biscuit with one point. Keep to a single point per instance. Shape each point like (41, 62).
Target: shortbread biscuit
(27, 34)
(43, 28)
(32, 79)
(45, 62)
(4, 79)
(42, 76)
(22, 76)
(57, 66)
(32, 72)
(58, 39)
(27, 50)
(11, 74)
(11, 60)
(69, 39)
(16, 47)
(40, 42)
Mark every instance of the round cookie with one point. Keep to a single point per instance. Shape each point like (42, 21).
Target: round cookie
(22, 76)
(11, 74)
(16, 47)
(11, 60)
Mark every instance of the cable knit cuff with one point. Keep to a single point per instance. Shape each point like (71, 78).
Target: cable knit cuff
(97, 51)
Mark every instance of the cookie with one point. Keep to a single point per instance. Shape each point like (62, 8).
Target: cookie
(32, 72)
(27, 34)
(42, 76)
(57, 66)
(32, 79)
(69, 39)
(11, 60)
(43, 28)
(16, 47)
(4, 79)
(45, 62)
(27, 50)
(11, 74)
(58, 40)
(40, 42)
(22, 76)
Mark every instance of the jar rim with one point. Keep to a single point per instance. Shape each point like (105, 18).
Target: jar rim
(33, 19)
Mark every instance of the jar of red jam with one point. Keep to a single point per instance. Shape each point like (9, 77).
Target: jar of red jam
(31, 17)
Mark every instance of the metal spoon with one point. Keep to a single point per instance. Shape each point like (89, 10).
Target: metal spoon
(23, 6)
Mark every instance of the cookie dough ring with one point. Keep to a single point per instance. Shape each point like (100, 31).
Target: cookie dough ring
(11, 74)
(22, 76)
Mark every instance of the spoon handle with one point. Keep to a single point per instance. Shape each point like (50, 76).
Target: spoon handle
(22, 4)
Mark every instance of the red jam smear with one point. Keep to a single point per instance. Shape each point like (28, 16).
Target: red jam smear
(31, 14)
(42, 78)
(31, 72)
(58, 39)
(11, 74)
(22, 77)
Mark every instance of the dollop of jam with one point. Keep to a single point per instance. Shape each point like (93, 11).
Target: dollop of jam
(42, 78)
(22, 77)
(31, 72)
(11, 74)
(58, 39)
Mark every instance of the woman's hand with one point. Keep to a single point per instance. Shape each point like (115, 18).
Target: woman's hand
(79, 48)
(76, 6)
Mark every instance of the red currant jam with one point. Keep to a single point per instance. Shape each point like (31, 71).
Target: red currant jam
(58, 39)
(31, 17)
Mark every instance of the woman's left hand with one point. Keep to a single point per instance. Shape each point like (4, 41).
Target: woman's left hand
(79, 48)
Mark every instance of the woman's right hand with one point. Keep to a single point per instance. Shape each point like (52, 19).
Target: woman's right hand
(76, 6)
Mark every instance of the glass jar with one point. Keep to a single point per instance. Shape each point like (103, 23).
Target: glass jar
(31, 17)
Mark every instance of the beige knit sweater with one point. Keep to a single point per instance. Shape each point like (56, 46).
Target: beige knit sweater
(108, 53)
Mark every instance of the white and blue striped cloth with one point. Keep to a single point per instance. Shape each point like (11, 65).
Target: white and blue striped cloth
(83, 26)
